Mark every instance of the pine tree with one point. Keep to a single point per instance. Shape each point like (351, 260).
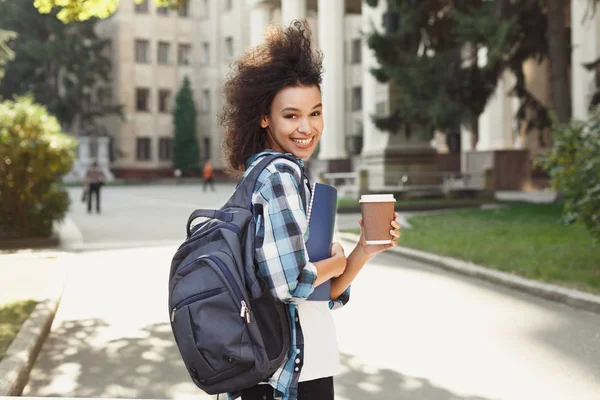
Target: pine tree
(185, 147)
(429, 56)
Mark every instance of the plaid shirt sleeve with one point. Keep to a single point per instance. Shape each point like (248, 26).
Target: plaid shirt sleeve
(282, 257)
(340, 301)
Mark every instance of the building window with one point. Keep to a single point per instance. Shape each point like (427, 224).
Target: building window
(162, 10)
(165, 147)
(228, 5)
(142, 8)
(207, 148)
(229, 47)
(142, 51)
(356, 51)
(164, 49)
(164, 97)
(357, 98)
(184, 54)
(143, 149)
(184, 9)
(206, 53)
(206, 100)
(142, 99)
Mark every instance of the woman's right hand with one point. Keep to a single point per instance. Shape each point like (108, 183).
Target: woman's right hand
(337, 252)
(331, 267)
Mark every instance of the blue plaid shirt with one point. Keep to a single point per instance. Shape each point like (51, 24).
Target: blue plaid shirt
(282, 259)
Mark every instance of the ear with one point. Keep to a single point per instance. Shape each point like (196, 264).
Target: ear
(264, 122)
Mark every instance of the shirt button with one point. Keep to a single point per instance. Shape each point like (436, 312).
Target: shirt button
(297, 369)
(297, 361)
(297, 351)
(297, 320)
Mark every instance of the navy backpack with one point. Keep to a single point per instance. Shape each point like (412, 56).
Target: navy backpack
(231, 332)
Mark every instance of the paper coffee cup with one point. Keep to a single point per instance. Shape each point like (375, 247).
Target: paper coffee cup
(378, 213)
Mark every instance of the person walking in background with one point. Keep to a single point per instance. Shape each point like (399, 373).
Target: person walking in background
(207, 173)
(94, 179)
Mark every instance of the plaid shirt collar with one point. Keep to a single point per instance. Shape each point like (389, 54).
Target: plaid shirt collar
(269, 152)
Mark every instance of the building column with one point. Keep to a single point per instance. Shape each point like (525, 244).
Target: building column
(374, 140)
(585, 28)
(497, 122)
(331, 42)
(260, 17)
(103, 158)
(291, 10)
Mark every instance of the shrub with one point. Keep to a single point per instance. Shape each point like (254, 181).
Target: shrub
(34, 155)
(573, 163)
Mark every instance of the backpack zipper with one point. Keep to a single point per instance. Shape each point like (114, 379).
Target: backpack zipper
(195, 298)
(244, 310)
(226, 225)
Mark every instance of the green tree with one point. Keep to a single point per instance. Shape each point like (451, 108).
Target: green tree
(82, 10)
(573, 163)
(34, 155)
(185, 147)
(423, 53)
(428, 55)
(61, 65)
(6, 54)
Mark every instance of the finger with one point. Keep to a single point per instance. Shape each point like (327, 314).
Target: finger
(395, 215)
(360, 222)
(395, 233)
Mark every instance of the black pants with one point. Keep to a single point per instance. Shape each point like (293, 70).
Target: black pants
(94, 188)
(208, 181)
(319, 389)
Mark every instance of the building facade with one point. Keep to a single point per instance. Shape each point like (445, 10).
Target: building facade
(154, 48)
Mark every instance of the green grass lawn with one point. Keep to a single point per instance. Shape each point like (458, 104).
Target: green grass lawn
(526, 239)
(345, 202)
(12, 316)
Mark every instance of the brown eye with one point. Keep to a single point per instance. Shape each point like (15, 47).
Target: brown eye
(316, 114)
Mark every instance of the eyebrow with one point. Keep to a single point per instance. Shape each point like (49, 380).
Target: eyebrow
(296, 109)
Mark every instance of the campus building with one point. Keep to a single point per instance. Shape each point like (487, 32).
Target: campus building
(153, 49)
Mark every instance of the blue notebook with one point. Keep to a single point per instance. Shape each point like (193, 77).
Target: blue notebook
(321, 223)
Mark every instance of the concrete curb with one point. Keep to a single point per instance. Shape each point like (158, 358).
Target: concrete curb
(69, 234)
(23, 351)
(574, 298)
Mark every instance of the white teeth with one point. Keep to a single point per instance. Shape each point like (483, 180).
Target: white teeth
(302, 142)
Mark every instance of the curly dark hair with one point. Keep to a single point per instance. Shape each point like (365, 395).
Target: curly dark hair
(285, 59)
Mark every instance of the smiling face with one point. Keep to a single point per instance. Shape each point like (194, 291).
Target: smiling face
(295, 122)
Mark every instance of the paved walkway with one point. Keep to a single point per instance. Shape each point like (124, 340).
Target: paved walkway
(410, 331)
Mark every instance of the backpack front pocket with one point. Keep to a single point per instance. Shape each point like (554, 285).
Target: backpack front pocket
(210, 332)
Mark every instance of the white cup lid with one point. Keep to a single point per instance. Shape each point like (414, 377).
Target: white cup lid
(377, 198)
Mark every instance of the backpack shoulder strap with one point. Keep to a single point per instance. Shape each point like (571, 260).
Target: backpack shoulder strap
(242, 197)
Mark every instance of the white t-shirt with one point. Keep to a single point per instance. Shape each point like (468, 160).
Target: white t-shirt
(321, 354)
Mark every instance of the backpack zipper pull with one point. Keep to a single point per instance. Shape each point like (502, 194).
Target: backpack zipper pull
(245, 312)
(173, 315)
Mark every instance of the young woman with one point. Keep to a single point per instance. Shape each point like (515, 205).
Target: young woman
(273, 104)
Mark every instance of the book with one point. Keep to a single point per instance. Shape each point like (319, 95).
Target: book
(321, 224)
